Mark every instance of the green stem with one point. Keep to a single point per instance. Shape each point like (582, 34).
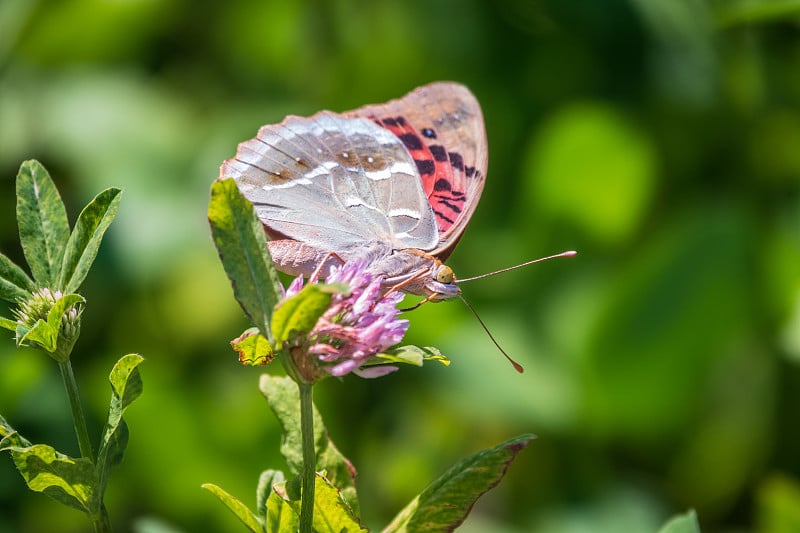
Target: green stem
(100, 519)
(309, 457)
(77, 411)
(101, 522)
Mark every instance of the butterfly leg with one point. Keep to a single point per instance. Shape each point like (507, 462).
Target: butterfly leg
(398, 287)
(419, 304)
(330, 255)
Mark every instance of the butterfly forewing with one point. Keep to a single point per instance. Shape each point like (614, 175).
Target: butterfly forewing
(441, 125)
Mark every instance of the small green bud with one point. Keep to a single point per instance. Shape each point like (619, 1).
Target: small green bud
(36, 328)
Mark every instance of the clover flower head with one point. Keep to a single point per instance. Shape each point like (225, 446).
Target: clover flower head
(38, 306)
(357, 325)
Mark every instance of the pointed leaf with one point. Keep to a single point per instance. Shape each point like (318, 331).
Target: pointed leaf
(299, 314)
(447, 501)
(42, 220)
(253, 348)
(284, 400)
(685, 523)
(14, 282)
(7, 323)
(66, 480)
(332, 514)
(126, 386)
(237, 507)
(84, 241)
(241, 244)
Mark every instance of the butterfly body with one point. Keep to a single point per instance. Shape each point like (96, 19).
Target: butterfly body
(394, 184)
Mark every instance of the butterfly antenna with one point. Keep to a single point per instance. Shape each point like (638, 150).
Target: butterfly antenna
(518, 367)
(570, 253)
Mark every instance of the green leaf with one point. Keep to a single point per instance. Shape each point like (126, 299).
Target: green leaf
(447, 501)
(685, 523)
(62, 307)
(81, 249)
(241, 244)
(299, 314)
(281, 516)
(66, 480)
(6, 430)
(410, 354)
(284, 400)
(41, 334)
(14, 282)
(253, 348)
(267, 479)
(42, 220)
(126, 386)
(7, 323)
(241, 511)
(331, 512)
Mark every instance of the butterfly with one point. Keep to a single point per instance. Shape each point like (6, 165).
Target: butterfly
(394, 184)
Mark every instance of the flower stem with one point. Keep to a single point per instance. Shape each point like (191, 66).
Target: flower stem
(309, 457)
(77, 411)
(99, 519)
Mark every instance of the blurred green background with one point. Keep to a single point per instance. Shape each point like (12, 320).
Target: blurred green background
(660, 138)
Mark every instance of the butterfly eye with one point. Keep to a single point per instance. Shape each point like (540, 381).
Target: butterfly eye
(445, 275)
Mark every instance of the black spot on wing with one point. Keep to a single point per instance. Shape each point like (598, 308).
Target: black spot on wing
(425, 166)
(429, 133)
(441, 185)
(456, 160)
(438, 151)
(411, 141)
(396, 121)
(470, 171)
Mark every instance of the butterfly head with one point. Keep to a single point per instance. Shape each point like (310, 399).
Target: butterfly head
(441, 284)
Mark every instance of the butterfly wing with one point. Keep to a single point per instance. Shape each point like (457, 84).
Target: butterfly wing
(334, 183)
(401, 176)
(441, 126)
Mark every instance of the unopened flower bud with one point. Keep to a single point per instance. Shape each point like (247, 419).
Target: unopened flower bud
(36, 309)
